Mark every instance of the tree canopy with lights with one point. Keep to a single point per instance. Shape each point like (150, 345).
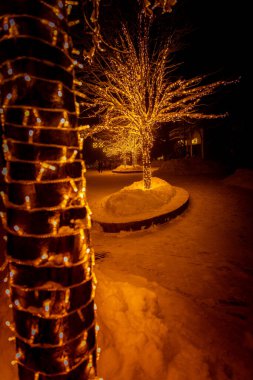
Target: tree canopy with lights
(121, 145)
(134, 87)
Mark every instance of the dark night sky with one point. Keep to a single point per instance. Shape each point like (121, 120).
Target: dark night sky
(218, 44)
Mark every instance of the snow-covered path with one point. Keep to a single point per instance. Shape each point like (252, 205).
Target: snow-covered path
(175, 301)
(200, 266)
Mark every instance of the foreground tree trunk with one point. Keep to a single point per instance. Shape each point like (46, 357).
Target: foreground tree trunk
(51, 280)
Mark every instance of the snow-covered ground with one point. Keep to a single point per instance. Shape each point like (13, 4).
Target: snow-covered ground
(175, 301)
(133, 199)
(128, 168)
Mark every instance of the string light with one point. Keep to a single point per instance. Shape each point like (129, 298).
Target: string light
(61, 336)
(34, 331)
(4, 171)
(3, 217)
(12, 273)
(73, 184)
(46, 305)
(3, 195)
(27, 78)
(65, 200)
(27, 202)
(17, 229)
(55, 224)
(44, 256)
(72, 158)
(17, 303)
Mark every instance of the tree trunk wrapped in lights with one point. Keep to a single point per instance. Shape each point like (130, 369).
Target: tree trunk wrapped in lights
(50, 258)
(147, 142)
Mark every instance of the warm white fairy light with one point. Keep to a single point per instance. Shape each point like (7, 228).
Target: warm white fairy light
(3, 195)
(12, 273)
(72, 158)
(39, 176)
(4, 171)
(44, 256)
(66, 363)
(27, 202)
(17, 229)
(30, 133)
(17, 303)
(55, 224)
(27, 78)
(3, 217)
(34, 331)
(73, 184)
(61, 336)
(46, 306)
(81, 315)
(65, 200)
(65, 259)
(67, 295)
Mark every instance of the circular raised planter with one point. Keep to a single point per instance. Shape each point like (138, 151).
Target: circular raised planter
(113, 224)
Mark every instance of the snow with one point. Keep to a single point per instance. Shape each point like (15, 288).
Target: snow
(134, 199)
(128, 168)
(132, 312)
(174, 301)
(241, 178)
(189, 166)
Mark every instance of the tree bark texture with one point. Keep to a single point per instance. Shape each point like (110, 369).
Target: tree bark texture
(51, 279)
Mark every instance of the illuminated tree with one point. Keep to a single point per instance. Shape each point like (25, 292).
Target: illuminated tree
(134, 87)
(120, 145)
(51, 281)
